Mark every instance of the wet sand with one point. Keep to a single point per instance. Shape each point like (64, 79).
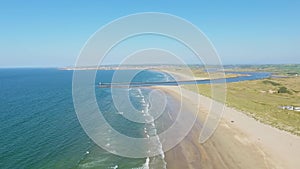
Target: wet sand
(239, 142)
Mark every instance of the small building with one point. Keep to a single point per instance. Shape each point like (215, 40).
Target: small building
(292, 108)
(297, 109)
(287, 107)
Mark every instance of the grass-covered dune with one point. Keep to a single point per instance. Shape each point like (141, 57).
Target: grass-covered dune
(261, 99)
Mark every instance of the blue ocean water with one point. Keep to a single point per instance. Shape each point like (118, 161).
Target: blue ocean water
(39, 128)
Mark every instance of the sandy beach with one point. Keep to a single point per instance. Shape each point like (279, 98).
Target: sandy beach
(239, 142)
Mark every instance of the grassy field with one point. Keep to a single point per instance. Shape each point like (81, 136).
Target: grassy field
(283, 70)
(261, 99)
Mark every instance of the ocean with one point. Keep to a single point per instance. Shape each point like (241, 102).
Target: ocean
(40, 130)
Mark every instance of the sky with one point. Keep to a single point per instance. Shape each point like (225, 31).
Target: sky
(51, 34)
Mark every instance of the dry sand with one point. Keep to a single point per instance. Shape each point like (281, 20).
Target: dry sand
(239, 142)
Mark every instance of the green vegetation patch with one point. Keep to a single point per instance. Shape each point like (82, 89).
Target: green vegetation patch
(282, 69)
(271, 82)
(262, 100)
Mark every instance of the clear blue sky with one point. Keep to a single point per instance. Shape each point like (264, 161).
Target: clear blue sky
(47, 34)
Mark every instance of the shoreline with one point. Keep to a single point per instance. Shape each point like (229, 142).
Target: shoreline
(239, 141)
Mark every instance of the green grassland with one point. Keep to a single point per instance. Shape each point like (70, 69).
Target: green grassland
(284, 69)
(261, 99)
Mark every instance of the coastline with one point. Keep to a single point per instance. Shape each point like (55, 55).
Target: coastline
(239, 141)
